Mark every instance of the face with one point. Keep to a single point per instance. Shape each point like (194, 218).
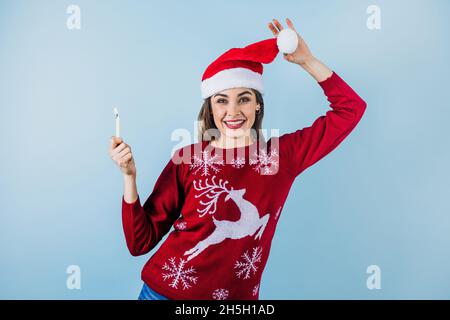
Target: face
(234, 112)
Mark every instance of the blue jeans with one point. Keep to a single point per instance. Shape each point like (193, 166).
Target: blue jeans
(148, 294)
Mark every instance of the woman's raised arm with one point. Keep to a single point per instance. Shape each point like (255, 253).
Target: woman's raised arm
(306, 146)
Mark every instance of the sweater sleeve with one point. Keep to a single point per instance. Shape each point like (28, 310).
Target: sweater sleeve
(306, 146)
(144, 226)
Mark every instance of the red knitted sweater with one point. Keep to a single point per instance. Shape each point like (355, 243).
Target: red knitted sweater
(224, 205)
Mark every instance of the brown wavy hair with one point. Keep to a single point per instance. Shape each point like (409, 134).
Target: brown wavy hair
(206, 120)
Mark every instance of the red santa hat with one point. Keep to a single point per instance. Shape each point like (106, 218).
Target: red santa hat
(242, 67)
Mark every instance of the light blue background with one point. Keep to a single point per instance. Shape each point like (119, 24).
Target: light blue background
(380, 198)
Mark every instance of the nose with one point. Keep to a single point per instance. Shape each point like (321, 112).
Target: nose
(233, 109)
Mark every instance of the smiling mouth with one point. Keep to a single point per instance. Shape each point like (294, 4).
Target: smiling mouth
(234, 124)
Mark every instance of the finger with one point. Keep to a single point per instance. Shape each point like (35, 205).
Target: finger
(272, 28)
(290, 24)
(121, 154)
(113, 145)
(118, 149)
(287, 57)
(115, 141)
(125, 159)
(277, 24)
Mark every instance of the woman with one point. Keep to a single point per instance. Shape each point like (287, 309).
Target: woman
(224, 195)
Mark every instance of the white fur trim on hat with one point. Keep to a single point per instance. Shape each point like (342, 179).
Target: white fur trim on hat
(232, 78)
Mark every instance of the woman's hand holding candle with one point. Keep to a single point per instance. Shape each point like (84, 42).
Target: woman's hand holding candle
(120, 153)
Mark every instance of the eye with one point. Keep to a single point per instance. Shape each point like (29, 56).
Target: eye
(221, 101)
(245, 99)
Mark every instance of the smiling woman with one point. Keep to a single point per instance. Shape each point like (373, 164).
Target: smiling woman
(226, 110)
(225, 207)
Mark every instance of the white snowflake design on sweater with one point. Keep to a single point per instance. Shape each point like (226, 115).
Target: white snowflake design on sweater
(180, 225)
(249, 264)
(206, 163)
(178, 274)
(255, 289)
(238, 162)
(220, 294)
(265, 164)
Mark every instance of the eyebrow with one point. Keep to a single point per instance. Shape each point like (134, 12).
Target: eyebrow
(224, 95)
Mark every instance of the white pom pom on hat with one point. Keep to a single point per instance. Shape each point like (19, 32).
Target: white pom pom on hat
(287, 40)
(242, 67)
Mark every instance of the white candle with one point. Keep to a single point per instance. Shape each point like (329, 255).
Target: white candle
(116, 115)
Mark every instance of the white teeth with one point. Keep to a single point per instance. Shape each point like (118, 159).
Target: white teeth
(235, 122)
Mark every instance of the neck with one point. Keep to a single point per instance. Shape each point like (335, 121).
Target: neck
(227, 142)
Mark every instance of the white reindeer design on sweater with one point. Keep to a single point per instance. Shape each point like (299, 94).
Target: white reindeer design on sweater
(247, 225)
